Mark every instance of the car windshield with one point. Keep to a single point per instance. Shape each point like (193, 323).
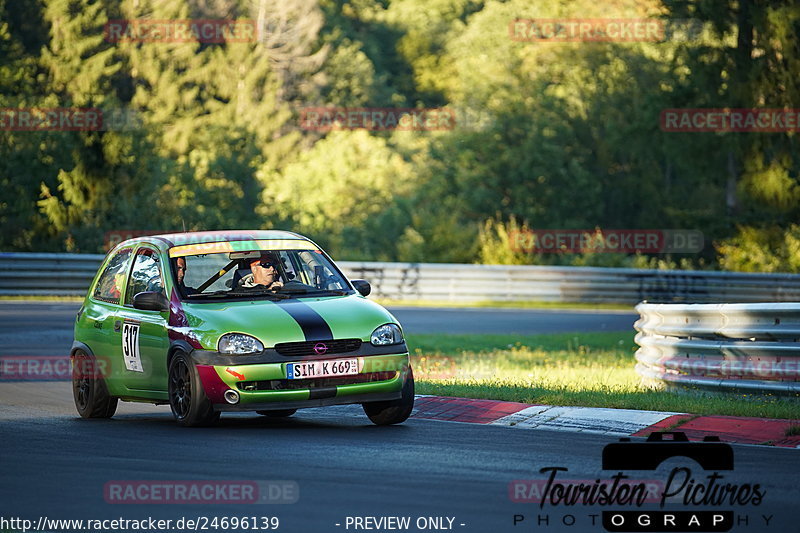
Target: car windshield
(260, 274)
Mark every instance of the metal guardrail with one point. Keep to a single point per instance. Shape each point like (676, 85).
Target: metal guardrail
(741, 347)
(464, 283)
(47, 274)
(70, 274)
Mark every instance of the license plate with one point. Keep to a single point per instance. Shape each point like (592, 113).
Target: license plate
(323, 369)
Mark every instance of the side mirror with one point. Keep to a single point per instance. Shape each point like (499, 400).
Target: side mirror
(362, 286)
(150, 301)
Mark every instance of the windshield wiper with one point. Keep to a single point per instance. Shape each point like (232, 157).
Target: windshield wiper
(224, 294)
(333, 292)
(255, 291)
(205, 294)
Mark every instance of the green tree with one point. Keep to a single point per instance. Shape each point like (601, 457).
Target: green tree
(751, 64)
(333, 191)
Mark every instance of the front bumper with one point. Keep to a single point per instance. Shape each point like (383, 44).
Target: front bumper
(266, 386)
(302, 404)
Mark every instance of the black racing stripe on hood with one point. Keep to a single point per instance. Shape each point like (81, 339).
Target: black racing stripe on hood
(313, 325)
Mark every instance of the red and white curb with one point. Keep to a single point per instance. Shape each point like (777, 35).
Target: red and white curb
(612, 422)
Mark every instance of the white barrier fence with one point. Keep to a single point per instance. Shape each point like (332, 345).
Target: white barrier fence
(741, 347)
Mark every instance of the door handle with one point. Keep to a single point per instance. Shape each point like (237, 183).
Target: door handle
(117, 325)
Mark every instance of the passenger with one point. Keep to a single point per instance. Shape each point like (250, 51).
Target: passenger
(263, 274)
(180, 271)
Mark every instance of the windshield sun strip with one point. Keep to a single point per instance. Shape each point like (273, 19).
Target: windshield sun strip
(241, 246)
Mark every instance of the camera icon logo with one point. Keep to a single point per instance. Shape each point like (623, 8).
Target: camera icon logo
(710, 454)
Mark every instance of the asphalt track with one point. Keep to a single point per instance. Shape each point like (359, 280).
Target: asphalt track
(56, 465)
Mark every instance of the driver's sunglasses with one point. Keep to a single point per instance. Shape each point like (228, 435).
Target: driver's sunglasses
(266, 264)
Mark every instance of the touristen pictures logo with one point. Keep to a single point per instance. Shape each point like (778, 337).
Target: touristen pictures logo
(709, 499)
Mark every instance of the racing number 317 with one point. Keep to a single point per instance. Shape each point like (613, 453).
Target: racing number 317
(130, 347)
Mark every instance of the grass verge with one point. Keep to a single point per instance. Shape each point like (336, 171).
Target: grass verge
(590, 370)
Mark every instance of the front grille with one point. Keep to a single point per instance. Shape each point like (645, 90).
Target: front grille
(317, 383)
(336, 346)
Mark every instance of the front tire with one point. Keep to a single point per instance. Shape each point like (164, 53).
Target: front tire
(394, 411)
(89, 390)
(187, 397)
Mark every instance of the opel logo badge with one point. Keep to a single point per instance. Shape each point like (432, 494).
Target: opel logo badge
(320, 348)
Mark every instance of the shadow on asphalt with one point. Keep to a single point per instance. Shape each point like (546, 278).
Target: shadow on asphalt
(347, 424)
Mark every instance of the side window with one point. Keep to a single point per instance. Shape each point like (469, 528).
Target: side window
(110, 283)
(145, 276)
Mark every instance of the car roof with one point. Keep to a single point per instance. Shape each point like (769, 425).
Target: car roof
(165, 241)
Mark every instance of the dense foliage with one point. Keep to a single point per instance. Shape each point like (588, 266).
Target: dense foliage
(548, 135)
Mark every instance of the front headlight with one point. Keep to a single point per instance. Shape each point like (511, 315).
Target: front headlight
(385, 335)
(239, 343)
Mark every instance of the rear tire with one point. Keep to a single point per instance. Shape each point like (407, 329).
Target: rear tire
(282, 413)
(187, 397)
(89, 390)
(394, 411)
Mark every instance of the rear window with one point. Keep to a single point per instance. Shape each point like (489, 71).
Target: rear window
(109, 284)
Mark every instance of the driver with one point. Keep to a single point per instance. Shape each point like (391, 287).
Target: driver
(264, 273)
(180, 270)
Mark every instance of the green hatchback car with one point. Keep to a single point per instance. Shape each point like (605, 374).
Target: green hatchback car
(219, 321)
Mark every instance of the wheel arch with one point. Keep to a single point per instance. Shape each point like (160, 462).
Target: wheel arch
(77, 345)
(176, 346)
